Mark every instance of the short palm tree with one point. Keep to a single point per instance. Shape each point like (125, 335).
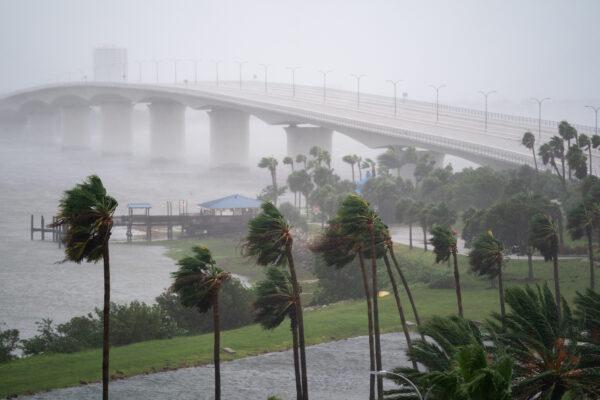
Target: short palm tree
(269, 241)
(487, 258)
(367, 163)
(406, 213)
(544, 237)
(197, 282)
(87, 212)
(301, 158)
(289, 161)
(580, 222)
(585, 143)
(271, 163)
(444, 246)
(275, 301)
(352, 160)
(550, 359)
(529, 142)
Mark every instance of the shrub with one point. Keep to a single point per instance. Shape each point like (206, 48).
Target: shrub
(8, 343)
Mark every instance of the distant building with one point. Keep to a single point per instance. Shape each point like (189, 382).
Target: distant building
(235, 204)
(110, 64)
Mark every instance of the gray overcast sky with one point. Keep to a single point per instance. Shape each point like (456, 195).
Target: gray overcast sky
(521, 48)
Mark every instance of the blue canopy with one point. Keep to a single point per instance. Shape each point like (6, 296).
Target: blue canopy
(233, 201)
(139, 205)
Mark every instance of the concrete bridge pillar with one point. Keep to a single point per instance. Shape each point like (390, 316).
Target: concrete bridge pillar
(229, 138)
(41, 126)
(75, 126)
(167, 130)
(117, 135)
(301, 138)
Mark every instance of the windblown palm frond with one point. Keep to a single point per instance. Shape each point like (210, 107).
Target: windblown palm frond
(544, 235)
(486, 255)
(268, 237)
(274, 299)
(443, 241)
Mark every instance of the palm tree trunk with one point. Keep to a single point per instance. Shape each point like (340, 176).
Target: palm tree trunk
(424, 237)
(590, 154)
(106, 323)
(300, 319)
(378, 363)
(217, 345)
(370, 324)
(562, 160)
(410, 241)
(408, 291)
(530, 276)
(457, 284)
(297, 373)
(306, 204)
(569, 167)
(501, 292)
(399, 306)
(534, 158)
(591, 258)
(556, 282)
(352, 165)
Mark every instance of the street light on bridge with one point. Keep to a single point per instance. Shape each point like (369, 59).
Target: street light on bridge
(139, 63)
(395, 83)
(325, 72)
(358, 78)
(293, 71)
(437, 101)
(175, 68)
(217, 62)
(596, 112)
(266, 67)
(156, 69)
(485, 95)
(195, 62)
(240, 65)
(540, 101)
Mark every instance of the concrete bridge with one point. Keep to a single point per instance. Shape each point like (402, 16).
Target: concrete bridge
(307, 116)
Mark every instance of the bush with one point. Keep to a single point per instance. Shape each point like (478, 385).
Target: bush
(9, 339)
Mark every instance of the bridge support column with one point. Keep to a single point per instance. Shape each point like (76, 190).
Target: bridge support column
(301, 138)
(75, 126)
(117, 136)
(167, 130)
(41, 126)
(229, 138)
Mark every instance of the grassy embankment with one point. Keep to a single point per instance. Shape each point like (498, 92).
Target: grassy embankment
(334, 322)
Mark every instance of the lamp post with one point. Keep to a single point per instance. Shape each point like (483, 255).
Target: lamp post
(485, 95)
(395, 83)
(195, 62)
(293, 71)
(266, 67)
(596, 112)
(156, 69)
(437, 101)
(175, 69)
(240, 65)
(217, 62)
(539, 102)
(325, 72)
(404, 378)
(358, 78)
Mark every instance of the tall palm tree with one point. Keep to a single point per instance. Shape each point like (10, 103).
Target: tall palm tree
(356, 217)
(580, 222)
(392, 158)
(271, 163)
(351, 159)
(486, 258)
(567, 132)
(290, 161)
(544, 237)
(197, 282)
(275, 301)
(301, 158)
(339, 250)
(405, 213)
(586, 144)
(87, 212)
(529, 142)
(269, 242)
(444, 246)
(557, 147)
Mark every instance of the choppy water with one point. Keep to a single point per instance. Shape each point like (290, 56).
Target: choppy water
(337, 371)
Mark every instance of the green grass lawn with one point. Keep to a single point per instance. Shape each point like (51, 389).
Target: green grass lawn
(334, 322)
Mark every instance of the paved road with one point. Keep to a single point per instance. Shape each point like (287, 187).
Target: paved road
(337, 371)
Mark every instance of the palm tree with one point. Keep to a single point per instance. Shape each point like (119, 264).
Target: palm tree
(358, 163)
(423, 212)
(367, 163)
(567, 132)
(444, 246)
(351, 159)
(301, 158)
(269, 242)
(586, 144)
(289, 161)
(405, 213)
(87, 212)
(197, 282)
(356, 217)
(275, 301)
(544, 237)
(486, 258)
(270, 163)
(551, 358)
(580, 222)
(392, 158)
(557, 147)
(339, 249)
(529, 142)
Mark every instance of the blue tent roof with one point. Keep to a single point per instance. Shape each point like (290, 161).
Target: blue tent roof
(139, 205)
(233, 201)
